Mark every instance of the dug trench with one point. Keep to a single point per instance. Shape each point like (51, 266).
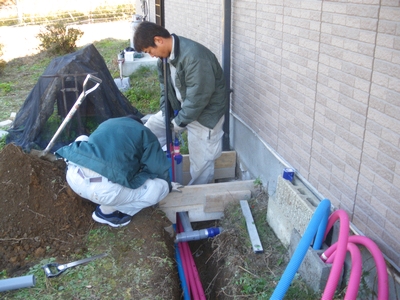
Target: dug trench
(42, 219)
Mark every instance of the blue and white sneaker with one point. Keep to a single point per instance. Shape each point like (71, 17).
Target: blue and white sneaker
(115, 219)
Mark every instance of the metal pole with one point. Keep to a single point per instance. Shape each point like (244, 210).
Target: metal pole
(226, 66)
(167, 114)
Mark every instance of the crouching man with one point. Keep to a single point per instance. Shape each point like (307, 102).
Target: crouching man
(120, 166)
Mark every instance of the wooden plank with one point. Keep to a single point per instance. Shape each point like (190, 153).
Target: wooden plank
(218, 202)
(224, 168)
(193, 199)
(251, 227)
(226, 160)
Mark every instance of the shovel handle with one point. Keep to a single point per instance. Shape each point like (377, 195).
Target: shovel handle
(51, 270)
(74, 108)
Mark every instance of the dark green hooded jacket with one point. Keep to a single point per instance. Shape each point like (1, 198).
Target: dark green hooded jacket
(122, 150)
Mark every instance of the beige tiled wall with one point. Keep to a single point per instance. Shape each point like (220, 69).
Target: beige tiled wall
(319, 82)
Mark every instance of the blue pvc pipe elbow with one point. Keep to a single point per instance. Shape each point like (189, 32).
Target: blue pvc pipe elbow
(198, 234)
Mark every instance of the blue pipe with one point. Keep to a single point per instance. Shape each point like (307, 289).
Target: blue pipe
(186, 295)
(320, 236)
(181, 272)
(318, 217)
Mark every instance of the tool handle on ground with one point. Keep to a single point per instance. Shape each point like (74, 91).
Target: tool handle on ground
(51, 270)
(74, 108)
(55, 269)
(79, 262)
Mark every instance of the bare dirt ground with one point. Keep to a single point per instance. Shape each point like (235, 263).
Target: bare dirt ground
(39, 213)
(42, 217)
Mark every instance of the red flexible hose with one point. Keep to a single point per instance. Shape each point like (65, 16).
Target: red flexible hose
(183, 257)
(383, 281)
(355, 271)
(341, 251)
(191, 274)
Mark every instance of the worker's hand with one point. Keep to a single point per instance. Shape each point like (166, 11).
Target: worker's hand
(177, 128)
(176, 187)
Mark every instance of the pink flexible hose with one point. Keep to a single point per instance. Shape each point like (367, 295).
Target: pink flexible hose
(341, 251)
(185, 262)
(191, 273)
(355, 272)
(383, 281)
(196, 278)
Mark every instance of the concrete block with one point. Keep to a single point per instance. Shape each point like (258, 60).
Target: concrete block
(292, 206)
(128, 67)
(312, 269)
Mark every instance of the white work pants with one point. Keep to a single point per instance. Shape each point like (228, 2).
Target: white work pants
(205, 146)
(113, 196)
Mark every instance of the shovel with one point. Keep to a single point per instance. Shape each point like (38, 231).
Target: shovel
(71, 113)
(55, 269)
(121, 82)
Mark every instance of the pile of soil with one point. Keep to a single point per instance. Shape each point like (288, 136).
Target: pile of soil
(41, 216)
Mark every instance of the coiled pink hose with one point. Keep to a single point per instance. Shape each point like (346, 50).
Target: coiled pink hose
(383, 281)
(355, 272)
(341, 250)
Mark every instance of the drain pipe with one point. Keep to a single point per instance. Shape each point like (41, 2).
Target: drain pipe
(188, 234)
(17, 283)
(226, 66)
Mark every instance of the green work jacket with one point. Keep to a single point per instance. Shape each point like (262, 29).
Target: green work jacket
(122, 150)
(200, 81)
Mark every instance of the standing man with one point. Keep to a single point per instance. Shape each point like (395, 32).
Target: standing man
(121, 167)
(196, 91)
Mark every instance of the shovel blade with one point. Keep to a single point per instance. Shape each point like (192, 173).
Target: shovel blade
(123, 84)
(43, 155)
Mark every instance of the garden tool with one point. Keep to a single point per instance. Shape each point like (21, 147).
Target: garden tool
(55, 269)
(121, 82)
(70, 114)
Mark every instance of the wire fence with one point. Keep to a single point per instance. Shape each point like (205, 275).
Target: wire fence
(33, 12)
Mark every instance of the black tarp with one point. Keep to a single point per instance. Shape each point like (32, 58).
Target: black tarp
(54, 94)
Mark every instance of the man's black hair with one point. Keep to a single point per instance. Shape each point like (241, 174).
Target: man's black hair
(145, 33)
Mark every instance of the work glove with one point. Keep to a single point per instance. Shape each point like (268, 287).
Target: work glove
(176, 187)
(177, 129)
